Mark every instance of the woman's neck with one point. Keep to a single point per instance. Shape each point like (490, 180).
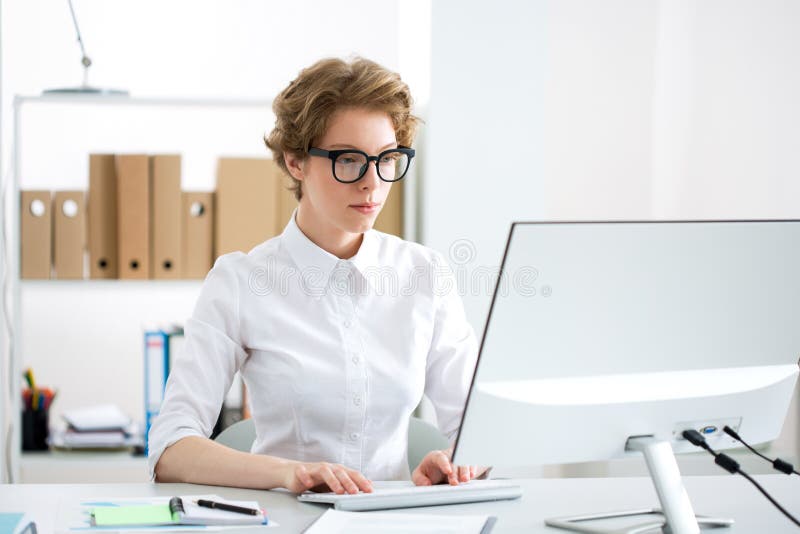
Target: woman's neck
(341, 244)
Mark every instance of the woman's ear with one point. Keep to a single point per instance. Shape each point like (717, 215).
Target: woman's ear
(294, 165)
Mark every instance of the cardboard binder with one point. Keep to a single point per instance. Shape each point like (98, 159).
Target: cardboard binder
(166, 216)
(133, 216)
(35, 234)
(69, 233)
(390, 219)
(197, 232)
(102, 216)
(246, 204)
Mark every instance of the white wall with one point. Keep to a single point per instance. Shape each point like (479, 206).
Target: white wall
(485, 135)
(539, 110)
(621, 109)
(85, 339)
(743, 135)
(598, 86)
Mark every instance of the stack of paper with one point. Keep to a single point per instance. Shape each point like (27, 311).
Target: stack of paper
(70, 439)
(97, 427)
(96, 418)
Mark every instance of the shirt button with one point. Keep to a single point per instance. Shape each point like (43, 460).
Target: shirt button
(357, 400)
(348, 324)
(356, 359)
(354, 436)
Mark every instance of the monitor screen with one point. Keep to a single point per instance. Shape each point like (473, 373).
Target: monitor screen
(602, 331)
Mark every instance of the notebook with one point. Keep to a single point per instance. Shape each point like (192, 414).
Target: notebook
(178, 511)
(16, 523)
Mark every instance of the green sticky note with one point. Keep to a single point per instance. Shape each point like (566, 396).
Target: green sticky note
(151, 514)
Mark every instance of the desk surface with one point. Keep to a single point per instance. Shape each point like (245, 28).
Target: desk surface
(713, 495)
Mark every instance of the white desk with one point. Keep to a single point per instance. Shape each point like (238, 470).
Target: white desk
(712, 495)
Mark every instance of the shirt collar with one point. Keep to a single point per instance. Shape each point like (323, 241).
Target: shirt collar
(366, 260)
(307, 255)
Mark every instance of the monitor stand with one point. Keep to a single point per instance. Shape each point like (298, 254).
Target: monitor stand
(675, 515)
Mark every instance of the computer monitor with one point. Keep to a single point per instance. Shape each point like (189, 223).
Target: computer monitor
(608, 338)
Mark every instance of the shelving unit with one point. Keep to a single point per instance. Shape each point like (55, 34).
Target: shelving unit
(106, 299)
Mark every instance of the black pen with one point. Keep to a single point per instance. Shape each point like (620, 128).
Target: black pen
(227, 507)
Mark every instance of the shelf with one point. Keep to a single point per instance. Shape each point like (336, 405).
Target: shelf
(55, 282)
(58, 456)
(121, 100)
(76, 467)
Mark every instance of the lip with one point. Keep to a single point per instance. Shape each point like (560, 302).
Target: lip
(366, 207)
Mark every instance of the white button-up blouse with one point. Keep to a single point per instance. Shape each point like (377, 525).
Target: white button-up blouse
(335, 354)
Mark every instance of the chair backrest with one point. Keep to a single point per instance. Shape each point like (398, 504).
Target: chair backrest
(423, 437)
(239, 435)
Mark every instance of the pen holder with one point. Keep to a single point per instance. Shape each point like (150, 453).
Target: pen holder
(35, 429)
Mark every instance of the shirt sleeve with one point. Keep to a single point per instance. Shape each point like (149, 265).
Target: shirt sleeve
(453, 353)
(201, 375)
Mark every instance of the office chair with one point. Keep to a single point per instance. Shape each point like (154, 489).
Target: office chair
(240, 435)
(423, 437)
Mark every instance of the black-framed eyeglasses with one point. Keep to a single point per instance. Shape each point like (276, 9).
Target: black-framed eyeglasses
(350, 165)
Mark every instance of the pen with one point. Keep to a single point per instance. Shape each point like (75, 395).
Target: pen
(29, 378)
(34, 391)
(227, 507)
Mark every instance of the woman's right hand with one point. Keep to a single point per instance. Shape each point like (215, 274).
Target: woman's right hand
(323, 477)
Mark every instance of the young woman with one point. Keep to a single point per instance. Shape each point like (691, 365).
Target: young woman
(337, 329)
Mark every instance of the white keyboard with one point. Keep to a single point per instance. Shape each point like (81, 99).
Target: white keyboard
(389, 495)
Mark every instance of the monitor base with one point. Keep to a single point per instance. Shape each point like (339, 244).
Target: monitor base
(659, 521)
(677, 515)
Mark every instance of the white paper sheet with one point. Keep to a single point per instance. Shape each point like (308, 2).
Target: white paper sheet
(335, 521)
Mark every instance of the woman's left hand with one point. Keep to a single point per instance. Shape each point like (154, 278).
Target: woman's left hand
(436, 467)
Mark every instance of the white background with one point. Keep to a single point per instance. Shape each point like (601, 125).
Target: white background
(568, 109)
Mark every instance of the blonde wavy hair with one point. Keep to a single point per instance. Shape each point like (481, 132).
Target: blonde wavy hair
(304, 108)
